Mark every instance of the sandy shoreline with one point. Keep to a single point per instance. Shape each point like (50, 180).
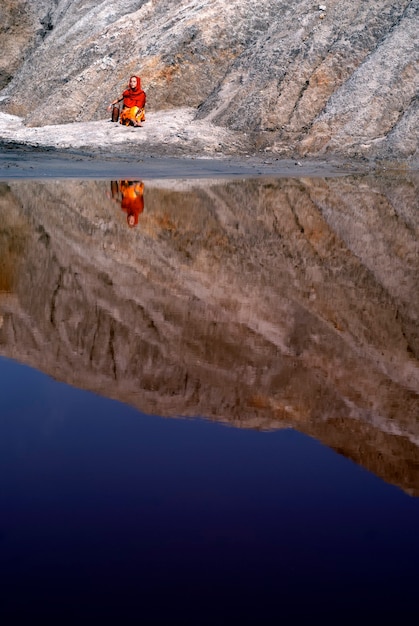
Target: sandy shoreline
(23, 162)
(170, 145)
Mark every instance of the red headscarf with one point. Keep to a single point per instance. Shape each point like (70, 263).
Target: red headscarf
(134, 97)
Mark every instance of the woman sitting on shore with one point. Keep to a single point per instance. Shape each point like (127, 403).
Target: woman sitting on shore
(133, 108)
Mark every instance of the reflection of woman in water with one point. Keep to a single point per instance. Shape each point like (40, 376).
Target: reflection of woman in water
(129, 193)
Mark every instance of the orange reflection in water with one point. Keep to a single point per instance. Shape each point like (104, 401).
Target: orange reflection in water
(130, 195)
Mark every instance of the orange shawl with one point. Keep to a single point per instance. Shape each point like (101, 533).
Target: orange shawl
(132, 199)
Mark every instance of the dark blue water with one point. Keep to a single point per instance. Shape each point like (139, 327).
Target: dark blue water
(108, 515)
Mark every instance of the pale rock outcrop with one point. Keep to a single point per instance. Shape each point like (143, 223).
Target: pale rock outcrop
(294, 78)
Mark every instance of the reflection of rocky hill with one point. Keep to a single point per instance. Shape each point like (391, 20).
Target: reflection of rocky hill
(262, 304)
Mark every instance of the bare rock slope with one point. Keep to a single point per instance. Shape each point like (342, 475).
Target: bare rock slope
(294, 78)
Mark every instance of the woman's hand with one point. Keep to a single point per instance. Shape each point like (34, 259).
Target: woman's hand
(115, 102)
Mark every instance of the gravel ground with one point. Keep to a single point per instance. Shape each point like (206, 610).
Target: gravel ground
(170, 144)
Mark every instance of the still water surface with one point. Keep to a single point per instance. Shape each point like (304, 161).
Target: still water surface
(209, 415)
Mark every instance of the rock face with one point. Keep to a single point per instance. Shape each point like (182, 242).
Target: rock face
(296, 79)
(289, 302)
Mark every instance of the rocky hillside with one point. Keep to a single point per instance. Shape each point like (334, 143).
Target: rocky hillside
(294, 78)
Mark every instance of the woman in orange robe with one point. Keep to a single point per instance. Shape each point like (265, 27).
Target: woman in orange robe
(133, 111)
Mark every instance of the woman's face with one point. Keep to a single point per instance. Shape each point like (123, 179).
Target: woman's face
(133, 82)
